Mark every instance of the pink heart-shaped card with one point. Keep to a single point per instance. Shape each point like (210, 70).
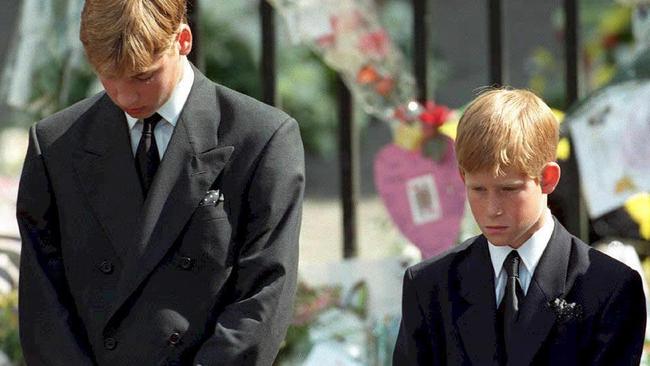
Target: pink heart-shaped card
(425, 198)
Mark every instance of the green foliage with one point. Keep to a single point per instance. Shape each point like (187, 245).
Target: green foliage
(306, 88)
(228, 57)
(9, 340)
(57, 85)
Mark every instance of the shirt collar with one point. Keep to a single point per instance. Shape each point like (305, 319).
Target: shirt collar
(171, 110)
(530, 251)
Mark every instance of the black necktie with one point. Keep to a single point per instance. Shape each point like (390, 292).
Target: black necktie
(512, 298)
(146, 156)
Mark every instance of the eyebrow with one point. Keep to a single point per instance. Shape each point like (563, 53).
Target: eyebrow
(475, 185)
(511, 183)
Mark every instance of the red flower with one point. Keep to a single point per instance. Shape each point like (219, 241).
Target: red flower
(385, 86)
(434, 115)
(326, 41)
(375, 43)
(609, 41)
(401, 115)
(329, 39)
(334, 22)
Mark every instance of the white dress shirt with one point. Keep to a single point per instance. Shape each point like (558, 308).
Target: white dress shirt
(530, 252)
(170, 112)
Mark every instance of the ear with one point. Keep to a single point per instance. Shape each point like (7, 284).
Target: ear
(462, 175)
(185, 40)
(550, 177)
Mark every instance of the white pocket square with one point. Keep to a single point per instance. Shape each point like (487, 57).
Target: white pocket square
(212, 198)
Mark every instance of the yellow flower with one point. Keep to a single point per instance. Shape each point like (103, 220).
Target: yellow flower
(408, 137)
(449, 128)
(638, 206)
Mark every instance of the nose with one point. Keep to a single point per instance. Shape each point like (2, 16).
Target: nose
(494, 206)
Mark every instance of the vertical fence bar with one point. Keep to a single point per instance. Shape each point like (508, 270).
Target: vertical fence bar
(268, 67)
(571, 51)
(420, 47)
(349, 161)
(577, 220)
(496, 43)
(193, 14)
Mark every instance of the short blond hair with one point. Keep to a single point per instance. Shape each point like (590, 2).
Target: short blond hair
(506, 128)
(126, 36)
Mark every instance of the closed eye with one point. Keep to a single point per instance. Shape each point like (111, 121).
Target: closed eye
(144, 77)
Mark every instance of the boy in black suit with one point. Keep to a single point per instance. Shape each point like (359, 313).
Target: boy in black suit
(160, 218)
(525, 292)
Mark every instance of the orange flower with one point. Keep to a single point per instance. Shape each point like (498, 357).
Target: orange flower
(367, 75)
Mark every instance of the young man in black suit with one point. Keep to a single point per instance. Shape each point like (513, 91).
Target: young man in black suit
(525, 292)
(160, 218)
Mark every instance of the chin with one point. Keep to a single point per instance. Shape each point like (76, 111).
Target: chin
(136, 116)
(498, 240)
(498, 243)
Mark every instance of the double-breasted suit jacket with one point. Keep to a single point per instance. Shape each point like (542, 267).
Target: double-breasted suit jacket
(449, 309)
(109, 277)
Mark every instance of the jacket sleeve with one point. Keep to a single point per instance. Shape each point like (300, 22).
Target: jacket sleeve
(413, 346)
(619, 338)
(250, 329)
(50, 331)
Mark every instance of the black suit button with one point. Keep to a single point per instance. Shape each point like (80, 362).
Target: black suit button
(186, 262)
(110, 343)
(106, 267)
(174, 338)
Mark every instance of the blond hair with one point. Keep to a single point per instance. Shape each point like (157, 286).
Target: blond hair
(126, 36)
(503, 128)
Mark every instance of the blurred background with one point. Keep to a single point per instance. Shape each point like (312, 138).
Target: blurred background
(356, 236)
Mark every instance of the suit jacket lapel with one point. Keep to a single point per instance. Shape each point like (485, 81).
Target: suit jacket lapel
(477, 315)
(106, 170)
(190, 165)
(550, 281)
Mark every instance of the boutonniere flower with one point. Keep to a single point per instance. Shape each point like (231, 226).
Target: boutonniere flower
(565, 311)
